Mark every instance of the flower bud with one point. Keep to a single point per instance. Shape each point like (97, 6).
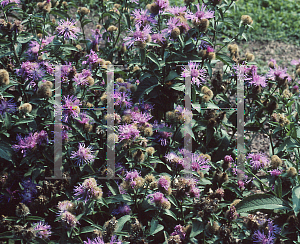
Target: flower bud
(83, 10)
(4, 77)
(112, 28)
(175, 32)
(291, 172)
(26, 108)
(246, 20)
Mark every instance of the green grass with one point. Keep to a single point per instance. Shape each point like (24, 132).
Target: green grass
(272, 20)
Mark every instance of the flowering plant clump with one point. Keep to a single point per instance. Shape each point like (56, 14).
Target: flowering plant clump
(137, 122)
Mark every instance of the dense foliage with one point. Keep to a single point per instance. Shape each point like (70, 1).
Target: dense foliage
(178, 178)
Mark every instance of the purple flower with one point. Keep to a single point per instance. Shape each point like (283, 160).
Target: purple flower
(122, 209)
(145, 107)
(68, 29)
(164, 182)
(64, 206)
(122, 99)
(179, 231)
(173, 158)
(158, 199)
(35, 47)
(258, 80)
(92, 58)
(258, 160)
(278, 72)
(268, 236)
(88, 190)
(96, 37)
(163, 137)
(200, 14)
(70, 108)
(197, 75)
(43, 230)
(30, 70)
(162, 4)
(295, 62)
(241, 184)
(47, 66)
(81, 79)
(69, 220)
(194, 192)
(143, 17)
(140, 118)
(5, 2)
(176, 10)
(31, 141)
(65, 71)
(84, 155)
(128, 132)
(158, 38)
(228, 159)
(132, 175)
(99, 240)
(29, 190)
(139, 35)
(7, 106)
(275, 172)
(83, 118)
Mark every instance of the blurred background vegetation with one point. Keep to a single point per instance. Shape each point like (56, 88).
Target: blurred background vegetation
(272, 20)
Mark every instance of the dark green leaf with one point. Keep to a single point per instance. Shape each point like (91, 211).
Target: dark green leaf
(153, 58)
(261, 201)
(171, 76)
(197, 228)
(278, 188)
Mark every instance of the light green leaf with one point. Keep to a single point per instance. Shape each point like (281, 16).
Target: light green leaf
(121, 222)
(296, 199)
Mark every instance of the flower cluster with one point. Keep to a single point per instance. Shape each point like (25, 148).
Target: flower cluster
(31, 142)
(88, 190)
(159, 200)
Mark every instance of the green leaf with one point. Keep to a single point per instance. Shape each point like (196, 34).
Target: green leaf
(224, 58)
(296, 199)
(60, 13)
(155, 227)
(24, 37)
(241, 30)
(209, 135)
(178, 87)
(153, 58)
(121, 222)
(119, 198)
(207, 39)
(171, 76)
(153, 224)
(170, 213)
(278, 187)
(113, 187)
(91, 222)
(85, 22)
(6, 151)
(197, 228)
(69, 47)
(143, 55)
(261, 201)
